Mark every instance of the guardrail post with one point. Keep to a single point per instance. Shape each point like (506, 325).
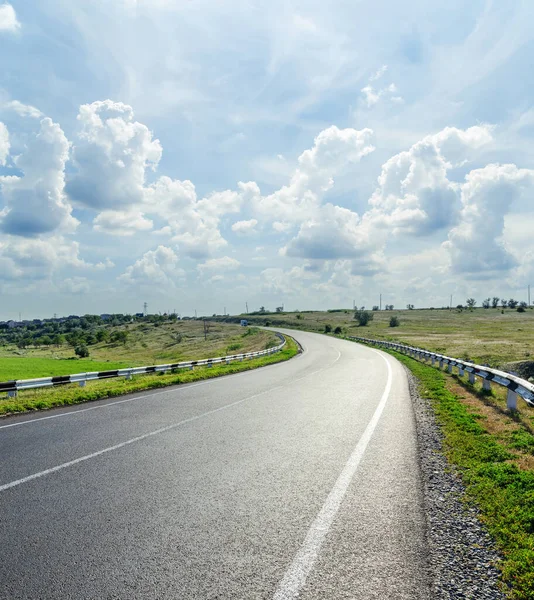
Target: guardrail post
(433, 360)
(128, 376)
(472, 378)
(82, 383)
(461, 371)
(486, 385)
(441, 363)
(449, 368)
(12, 394)
(511, 400)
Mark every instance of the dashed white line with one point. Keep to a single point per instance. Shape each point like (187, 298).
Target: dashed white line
(295, 577)
(70, 463)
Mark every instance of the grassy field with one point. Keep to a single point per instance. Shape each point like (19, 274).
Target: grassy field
(482, 335)
(147, 344)
(493, 451)
(66, 395)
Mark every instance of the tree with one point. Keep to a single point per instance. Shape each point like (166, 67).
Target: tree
(495, 301)
(81, 351)
(471, 303)
(375, 307)
(523, 304)
(327, 328)
(338, 330)
(512, 303)
(119, 336)
(504, 303)
(363, 317)
(279, 308)
(262, 309)
(394, 322)
(58, 340)
(389, 306)
(410, 306)
(102, 335)
(486, 303)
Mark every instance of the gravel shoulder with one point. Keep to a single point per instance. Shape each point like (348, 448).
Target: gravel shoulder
(462, 555)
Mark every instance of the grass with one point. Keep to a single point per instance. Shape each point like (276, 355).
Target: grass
(482, 335)
(493, 451)
(46, 398)
(27, 368)
(147, 344)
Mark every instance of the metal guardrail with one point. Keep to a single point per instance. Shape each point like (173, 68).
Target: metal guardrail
(515, 385)
(14, 386)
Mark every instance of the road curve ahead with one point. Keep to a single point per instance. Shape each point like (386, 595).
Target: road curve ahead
(298, 480)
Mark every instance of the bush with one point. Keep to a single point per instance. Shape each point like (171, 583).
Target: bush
(394, 322)
(363, 317)
(81, 351)
(520, 309)
(327, 328)
(338, 330)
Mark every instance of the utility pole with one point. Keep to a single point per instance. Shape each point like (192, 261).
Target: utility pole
(380, 301)
(529, 294)
(450, 303)
(246, 306)
(224, 313)
(145, 309)
(195, 313)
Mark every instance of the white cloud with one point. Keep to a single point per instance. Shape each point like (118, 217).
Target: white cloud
(334, 233)
(225, 263)
(4, 144)
(111, 155)
(372, 95)
(475, 245)
(75, 285)
(414, 194)
(155, 268)
(8, 18)
(378, 73)
(23, 110)
(334, 149)
(36, 203)
(245, 227)
(122, 223)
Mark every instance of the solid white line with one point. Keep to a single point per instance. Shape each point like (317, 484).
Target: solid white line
(295, 577)
(139, 438)
(115, 402)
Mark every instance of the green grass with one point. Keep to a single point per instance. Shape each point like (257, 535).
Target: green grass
(28, 368)
(44, 398)
(502, 490)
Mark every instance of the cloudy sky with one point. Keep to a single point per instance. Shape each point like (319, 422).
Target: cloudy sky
(199, 154)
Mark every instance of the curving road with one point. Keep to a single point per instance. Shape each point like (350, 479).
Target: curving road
(296, 480)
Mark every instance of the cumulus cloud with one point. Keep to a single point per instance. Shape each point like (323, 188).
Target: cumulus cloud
(414, 194)
(75, 285)
(36, 203)
(475, 245)
(225, 263)
(334, 149)
(8, 18)
(111, 155)
(122, 223)
(245, 227)
(155, 268)
(4, 144)
(335, 232)
(38, 258)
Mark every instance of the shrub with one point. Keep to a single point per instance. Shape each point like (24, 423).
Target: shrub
(81, 351)
(363, 317)
(394, 322)
(338, 330)
(520, 309)
(327, 328)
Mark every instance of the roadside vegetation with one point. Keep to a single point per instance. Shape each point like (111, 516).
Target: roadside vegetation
(66, 395)
(124, 344)
(493, 452)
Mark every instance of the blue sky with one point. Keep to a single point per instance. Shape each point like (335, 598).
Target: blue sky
(197, 154)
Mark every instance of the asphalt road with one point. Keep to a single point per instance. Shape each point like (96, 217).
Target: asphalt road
(296, 480)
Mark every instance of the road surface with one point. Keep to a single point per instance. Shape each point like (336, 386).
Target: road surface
(295, 480)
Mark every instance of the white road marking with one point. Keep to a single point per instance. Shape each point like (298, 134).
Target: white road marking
(70, 463)
(114, 403)
(295, 577)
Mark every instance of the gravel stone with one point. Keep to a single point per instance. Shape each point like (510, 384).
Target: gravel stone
(462, 555)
